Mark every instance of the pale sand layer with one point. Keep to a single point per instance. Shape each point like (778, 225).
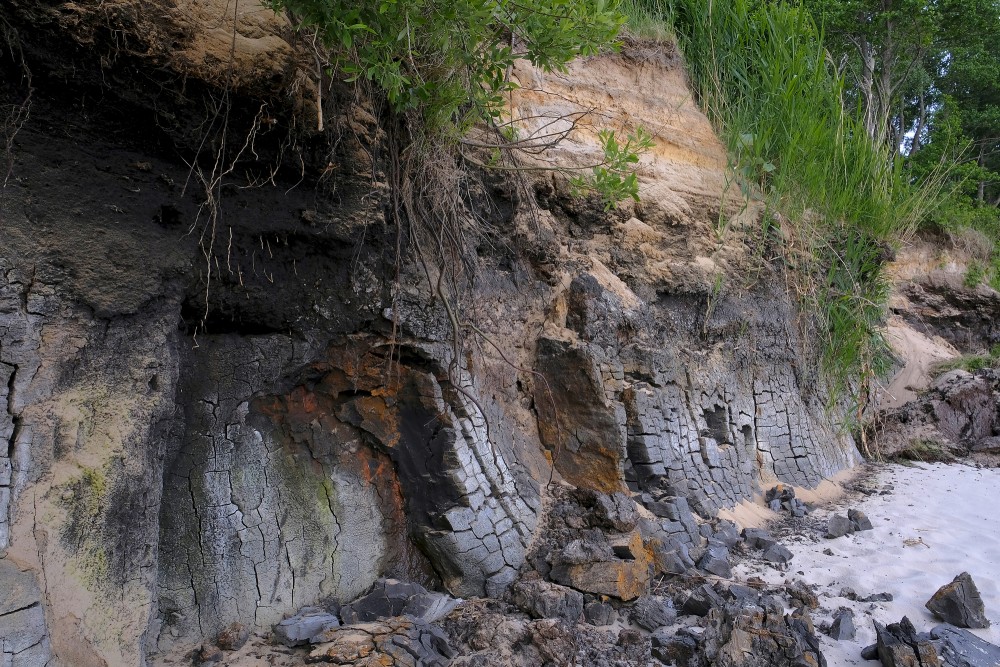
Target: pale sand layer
(940, 520)
(755, 513)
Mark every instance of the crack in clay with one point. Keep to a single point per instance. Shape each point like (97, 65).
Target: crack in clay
(15, 418)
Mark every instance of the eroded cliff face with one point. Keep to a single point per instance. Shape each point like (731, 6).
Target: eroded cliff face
(222, 402)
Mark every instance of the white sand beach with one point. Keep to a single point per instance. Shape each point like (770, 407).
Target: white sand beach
(938, 521)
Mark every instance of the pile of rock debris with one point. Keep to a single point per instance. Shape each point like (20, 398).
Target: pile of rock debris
(610, 584)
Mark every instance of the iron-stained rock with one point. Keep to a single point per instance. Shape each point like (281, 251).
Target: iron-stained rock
(232, 637)
(899, 645)
(959, 603)
(397, 642)
(625, 579)
(761, 636)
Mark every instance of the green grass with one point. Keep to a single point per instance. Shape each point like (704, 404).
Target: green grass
(969, 362)
(762, 76)
(649, 20)
(924, 451)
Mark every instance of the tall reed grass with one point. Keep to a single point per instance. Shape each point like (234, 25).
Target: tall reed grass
(762, 76)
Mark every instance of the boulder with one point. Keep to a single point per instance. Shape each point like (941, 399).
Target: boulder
(777, 554)
(615, 511)
(758, 538)
(899, 645)
(653, 611)
(581, 551)
(599, 613)
(669, 557)
(961, 648)
(391, 597)
(727, 533)
(680, 648)
(744, 595)
(397, 642)
(758, 636)
(859, 520)
(959, 603)
(842, 627)
(543, 599)
(838, 526)
(716, 561)
(702, 600)
(307, 623)
(622, 578)
(232, 637)
(781, 493)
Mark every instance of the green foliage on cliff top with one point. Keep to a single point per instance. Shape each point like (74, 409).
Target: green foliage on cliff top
(763, 76)
(448, 63)
(451, 58)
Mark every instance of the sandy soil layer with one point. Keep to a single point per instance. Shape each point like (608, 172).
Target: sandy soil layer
(935, 522)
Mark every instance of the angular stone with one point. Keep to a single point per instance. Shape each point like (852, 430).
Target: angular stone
(616, 511)
(744, 595)
(758, 538)
(778, 554)
(702, 600)
(543, 599)
(859, 520)
(308, 623)
(727, 533)
(781, 492)
(232, 637)
(843, 625)
(959, 603)
(430, 606)
(600, 613)
(671, 558)
(961, 648)
(623, 579)
(757, 636)
(716, 561)
(838, 526)
(899, 645)
(674, 648)
(653, 611)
